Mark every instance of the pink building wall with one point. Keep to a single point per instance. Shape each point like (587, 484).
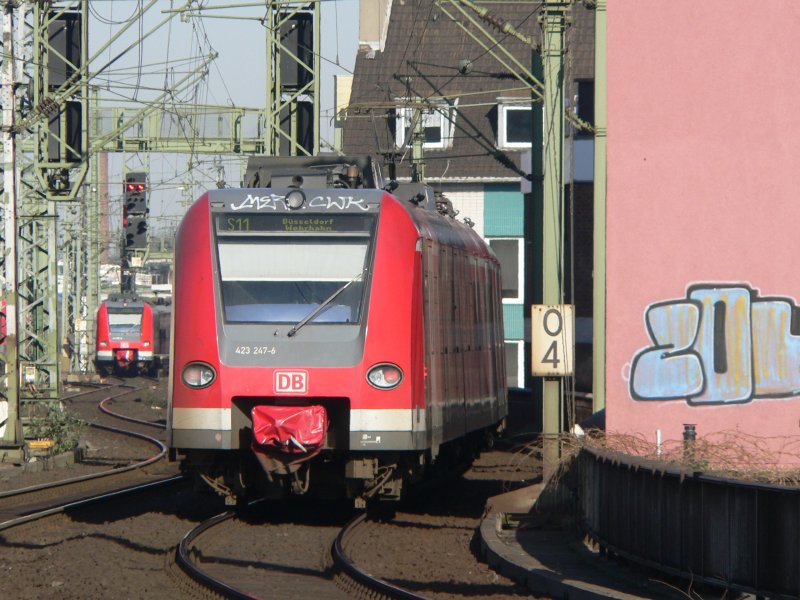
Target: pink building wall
(703, 212)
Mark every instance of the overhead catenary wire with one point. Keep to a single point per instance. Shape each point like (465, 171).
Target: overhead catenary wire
(417, 34)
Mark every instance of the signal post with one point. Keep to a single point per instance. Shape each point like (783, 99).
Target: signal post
(135, 210)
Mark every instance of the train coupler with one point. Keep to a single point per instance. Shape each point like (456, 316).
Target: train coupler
(231, 499)
(387, 485)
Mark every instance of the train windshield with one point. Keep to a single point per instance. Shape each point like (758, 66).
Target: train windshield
(284, 279)
(125, 320)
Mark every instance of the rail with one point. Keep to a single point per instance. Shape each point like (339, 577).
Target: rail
(183, 558)
(376, 587)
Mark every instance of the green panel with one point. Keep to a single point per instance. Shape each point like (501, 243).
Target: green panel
(502, 210)
(513, 321)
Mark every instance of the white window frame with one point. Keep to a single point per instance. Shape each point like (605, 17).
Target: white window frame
(520, 267)
(439, 111)
(502, 123)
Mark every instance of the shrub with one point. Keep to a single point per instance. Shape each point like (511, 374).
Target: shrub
(60, 425)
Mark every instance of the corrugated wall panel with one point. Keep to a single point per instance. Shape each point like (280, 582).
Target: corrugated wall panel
(502, 210)
(468, 201)
(513, 319)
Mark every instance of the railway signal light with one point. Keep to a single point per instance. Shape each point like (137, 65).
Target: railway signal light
(135, 193)
(134, 210)
(135, 231)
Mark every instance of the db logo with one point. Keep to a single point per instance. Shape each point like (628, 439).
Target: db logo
(291, 382)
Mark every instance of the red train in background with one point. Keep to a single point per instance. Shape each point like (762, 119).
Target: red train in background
(131, 336)
(331, 337)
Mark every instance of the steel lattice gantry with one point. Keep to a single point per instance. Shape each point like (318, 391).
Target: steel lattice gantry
(44, 145)
(46, 149)
(292, 73)
(293, 47)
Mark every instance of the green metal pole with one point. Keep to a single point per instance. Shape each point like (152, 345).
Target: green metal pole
(70, 277)
(10, 431)
(534, 260)
(72, 339)
(270, 90)
(315, 84)
(553, 27)
(599, 290)
(417, 141)
(93, 231)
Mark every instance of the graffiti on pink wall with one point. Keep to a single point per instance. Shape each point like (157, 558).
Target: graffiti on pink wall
(721, 344)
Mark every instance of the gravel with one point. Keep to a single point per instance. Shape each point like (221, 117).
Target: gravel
(121, 551)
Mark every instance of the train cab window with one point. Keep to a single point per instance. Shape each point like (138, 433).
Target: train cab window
(282, 280)
(125, 322)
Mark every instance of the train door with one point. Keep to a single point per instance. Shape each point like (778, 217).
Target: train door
(460, 327)
(434, 382)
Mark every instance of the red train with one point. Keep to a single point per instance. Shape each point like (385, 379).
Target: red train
(131, 336)
(331, 337)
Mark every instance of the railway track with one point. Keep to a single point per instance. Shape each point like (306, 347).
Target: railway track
(203, 555)
(356, 579)
(266, 551)
(287, 550)
(24, 504)
(427, 550)
(25, 512)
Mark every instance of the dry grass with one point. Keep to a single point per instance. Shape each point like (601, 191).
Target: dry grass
(727, 454)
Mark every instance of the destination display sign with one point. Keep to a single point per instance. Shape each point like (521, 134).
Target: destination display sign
(264, 223)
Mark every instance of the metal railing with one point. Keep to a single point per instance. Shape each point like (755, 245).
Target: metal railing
(738, 535)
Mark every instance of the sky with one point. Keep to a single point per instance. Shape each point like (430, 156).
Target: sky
(140, 71)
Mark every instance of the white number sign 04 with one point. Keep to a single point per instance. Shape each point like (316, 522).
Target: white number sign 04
(553, 339)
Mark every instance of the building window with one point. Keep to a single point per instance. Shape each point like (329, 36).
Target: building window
(514, 126)
(437, 125)
(514, 375)
(584, 104)
(509, 252)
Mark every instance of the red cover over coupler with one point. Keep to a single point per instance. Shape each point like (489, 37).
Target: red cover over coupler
(295, 429)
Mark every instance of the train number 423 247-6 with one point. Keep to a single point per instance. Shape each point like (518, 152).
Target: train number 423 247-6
(255, 350)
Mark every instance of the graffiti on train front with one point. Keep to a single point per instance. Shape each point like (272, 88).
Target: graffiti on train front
(721, 344)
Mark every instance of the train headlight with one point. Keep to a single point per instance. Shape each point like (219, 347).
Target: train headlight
(146, 344)
(385, 376)
(198, 375)
(103, 343)
(295, 199)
